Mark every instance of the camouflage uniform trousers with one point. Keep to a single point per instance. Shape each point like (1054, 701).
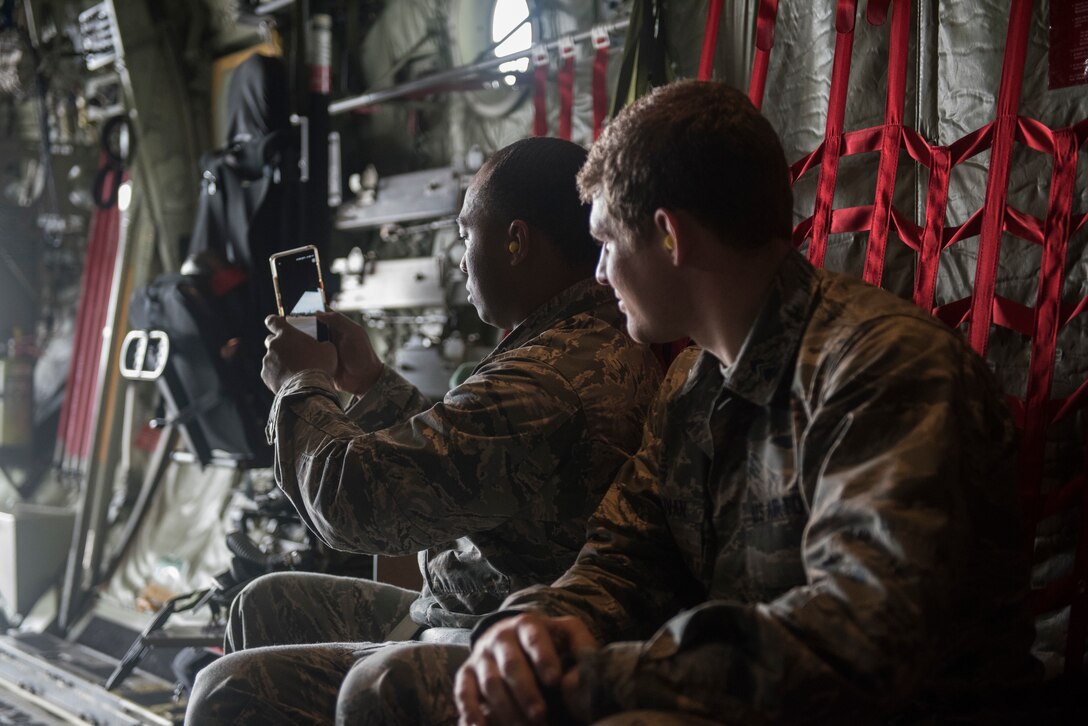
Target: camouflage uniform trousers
(412, 683)
(279, 671)
(296, 641)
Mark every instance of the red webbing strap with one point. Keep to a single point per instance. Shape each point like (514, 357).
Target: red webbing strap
(84, 379)
(891, 133)
(1061, 409)
(68, 414)
(601, 43)
(929, 252)
(1037, 135)
(105, 285)
(1038, 408)
(565, 86)
(1047, 319)
(94, 300)
(989, 244)
(710, 40)
(768, 12)
(540, 91)
(836, 110)
(1072, 310)
(1012, 315)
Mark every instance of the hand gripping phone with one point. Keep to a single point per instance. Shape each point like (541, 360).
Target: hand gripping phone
(300, 288)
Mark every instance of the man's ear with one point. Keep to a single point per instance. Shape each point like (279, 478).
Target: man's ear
(519, 244)
(670, 232)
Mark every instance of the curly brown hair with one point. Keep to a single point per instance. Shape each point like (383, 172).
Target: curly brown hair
(699, 146)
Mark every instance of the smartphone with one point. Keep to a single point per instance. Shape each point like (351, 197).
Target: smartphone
(300, 289)
(296, 276)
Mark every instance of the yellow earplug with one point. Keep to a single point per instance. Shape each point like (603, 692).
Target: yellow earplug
(669, 244)
(513, 247)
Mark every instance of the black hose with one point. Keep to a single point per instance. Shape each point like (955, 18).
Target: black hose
(242, 546)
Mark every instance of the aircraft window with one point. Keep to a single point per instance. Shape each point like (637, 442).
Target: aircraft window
(512, 32)
(497, 29)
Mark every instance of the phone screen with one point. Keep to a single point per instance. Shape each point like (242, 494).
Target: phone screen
(298, 282)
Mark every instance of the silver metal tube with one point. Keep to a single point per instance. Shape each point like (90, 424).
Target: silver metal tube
(453, 74)
(270, 7)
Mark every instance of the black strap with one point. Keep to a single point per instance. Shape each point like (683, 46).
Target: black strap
(118, 144)
(107, 183)
(644, 64)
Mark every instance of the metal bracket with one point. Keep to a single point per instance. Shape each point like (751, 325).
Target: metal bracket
(566, 47)
(142, 348)
(599, 37)
(540, 55)
(303, 124)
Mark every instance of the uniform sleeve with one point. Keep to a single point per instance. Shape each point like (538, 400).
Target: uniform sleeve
(389, 401)
(887, 469)
(628, 577)
(464, 465)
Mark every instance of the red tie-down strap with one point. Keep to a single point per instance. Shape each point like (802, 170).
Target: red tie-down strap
(929, 251)
(929, 240)
(989, 244)
(935, 237)
(836, 144)
(601, 43)
(831, 147)
(540, 90)
(768, 13)
(71, 414)
(710, 40)
(1047, 314)
(1037, 412)
(891, 135)
(565, 86)
(77, 409)
(87, 393)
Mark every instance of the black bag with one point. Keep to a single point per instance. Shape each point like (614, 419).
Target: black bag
(249, 207)
(251, 199)
(211, 382)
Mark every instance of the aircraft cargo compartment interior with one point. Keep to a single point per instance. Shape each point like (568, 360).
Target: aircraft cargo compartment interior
(543, 361)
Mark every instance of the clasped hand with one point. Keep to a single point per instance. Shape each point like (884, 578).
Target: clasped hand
(348, 357)
(523, 670)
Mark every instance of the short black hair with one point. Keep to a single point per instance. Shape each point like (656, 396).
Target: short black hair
(535, 180)
(700, 146)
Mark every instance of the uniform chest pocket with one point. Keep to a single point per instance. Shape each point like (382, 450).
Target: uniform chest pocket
(689, 522)
(773, 530)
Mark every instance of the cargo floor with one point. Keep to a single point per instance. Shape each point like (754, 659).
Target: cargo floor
(44, 679)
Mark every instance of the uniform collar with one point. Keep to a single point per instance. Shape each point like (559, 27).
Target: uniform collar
(580, 297)
(768, 351)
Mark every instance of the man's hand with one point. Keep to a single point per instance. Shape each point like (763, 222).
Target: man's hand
(358, 366)
(515, 663)
(291, 351)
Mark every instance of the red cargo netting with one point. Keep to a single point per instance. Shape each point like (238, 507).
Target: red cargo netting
(983, 309)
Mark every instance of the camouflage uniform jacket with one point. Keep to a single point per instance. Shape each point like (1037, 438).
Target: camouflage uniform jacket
(826, 528)
(493, 485)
